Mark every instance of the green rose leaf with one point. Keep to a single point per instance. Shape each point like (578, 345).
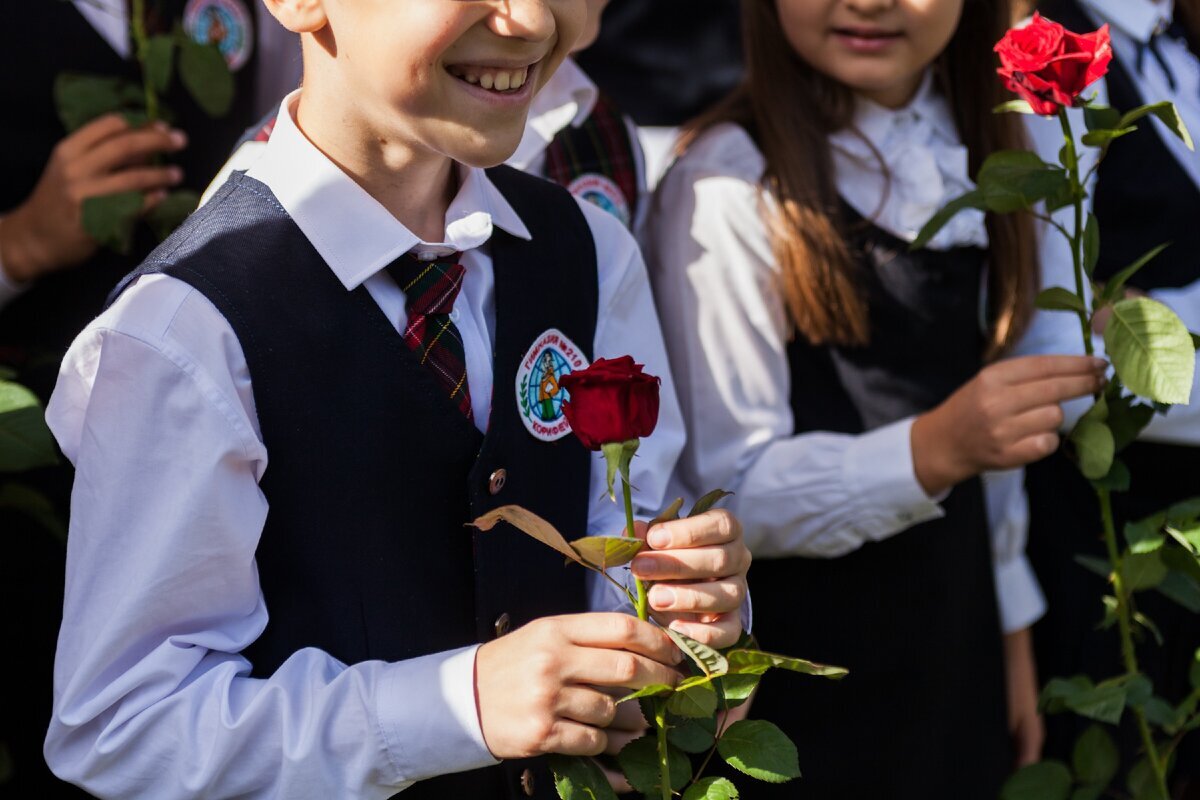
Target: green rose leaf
(1094, 448)
(159, 58)
(1103, 702)
(669, 513)
(708, 501)
(1056, 298)
(1088, 793)
(25, 441)
(1095, 757)
(205, 75)
(1091, 244)
(710, 662)
(1117, 479)
(1181, 588)
(761, 750)
(1151, 350)
(1095, 565)
(712, 789)
(1098, 118)
(580, 779)
(110, 219)
(1046, 780)
(1115, 286)
(736, 689)
(639, 762)
(694, 702)
(756, 662)
(607, 551)
(530, 524)
(168, 215)
(1145, 535)
(1126, 416)
(618, 456)
(1167, 113)
(653, 690)
(1141, 782)
(1194, 671)
(81, 98)
(1014, 106)
(1015, 180)
(1103, 138)
(693, 735)
(972, 199)
(1143, 571)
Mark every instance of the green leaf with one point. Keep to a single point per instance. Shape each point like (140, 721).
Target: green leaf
(653, 690)
(33, 504)
(1183, 589)
(639, 762)
(1115, 286)
(756, 662)
(1104, 702)
(1056, 298)
(205, 75)
(1095, 565)
(81, 98)
(1098, 118)
(530, 524)
(1182, 561)
(1142, 571)
(1194, 671)
(1046, 780)
(1095, 758)
(710, 662)
(1161, 713)
(25, 441)
(736, 689)
(607, 551)
(1015, 180)
(669, 513)
(618, 456)
(1167, 113)
(1091, 244)
(1141, 781)
(693, 735)
(1151, 350)
(972, 199)
(1088, 793)
(159, 55)
(1014, 106)
(1145, 536)
(1067, 157)
(1103, 138)
(712, 789)
(1117, 479)
(580, 779)
(708, 501)
(695, 702)
(1149, 624)
(1138, 689)
(110, 219)
(168, 215)
(1094, 447)
(761, 750)
(1126, 417)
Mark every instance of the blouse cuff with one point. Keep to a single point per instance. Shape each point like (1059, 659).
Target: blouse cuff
(878, 467)
(428, 716)
(1018, 594)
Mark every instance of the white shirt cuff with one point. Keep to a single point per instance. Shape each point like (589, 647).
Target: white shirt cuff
(1018, 594)
(428, 716)
(879, 465)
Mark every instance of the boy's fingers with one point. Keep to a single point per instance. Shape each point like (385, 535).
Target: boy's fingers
(614, 631)
(575, 739)
(589, 706)
(724, 632)
(712, 527)
(617, 668)
(628, 719)
(92, 134)
(704, 563)
(710, 597)
(138, 179)
(132, 147)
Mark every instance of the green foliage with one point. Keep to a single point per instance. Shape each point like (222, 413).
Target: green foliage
(25, 441)
(759, 749)
(159, 56)
(1097, 117)
(1094, 448)
(81, 98)
(1046, 780)
(1014, 106)
(1056, 298)
(1102, 702)
(708, 501)
(736, 689)
(694, 702)
(580, 779)
(1095, 757)
(669, 513)
(607, 551)
(709, 661)
(111, 218)
(1091, 244)
(712, 789)
(1151, 350)
(757, 662)
(1115, 285)
(693, 735)
(1166, 113)
(205, 75)
(1142, 570)
(639, 763)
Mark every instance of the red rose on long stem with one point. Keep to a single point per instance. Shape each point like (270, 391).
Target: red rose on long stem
(613, 400)
(1048, 65)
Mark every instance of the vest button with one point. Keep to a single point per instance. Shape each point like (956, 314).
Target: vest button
(527, 782)
(497, 480)
(503, 624)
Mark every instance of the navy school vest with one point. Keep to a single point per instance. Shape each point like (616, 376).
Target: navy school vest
(1143, 196)
(373, 472)
(913, 616)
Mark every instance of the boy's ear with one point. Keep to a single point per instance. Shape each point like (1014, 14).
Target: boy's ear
(298, 16)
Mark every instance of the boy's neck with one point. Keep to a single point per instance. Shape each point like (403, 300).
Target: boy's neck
(416, 187)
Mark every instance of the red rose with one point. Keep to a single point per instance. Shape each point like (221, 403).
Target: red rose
(1049, 66)
(611, 401)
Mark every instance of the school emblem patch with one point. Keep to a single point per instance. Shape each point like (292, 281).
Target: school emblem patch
(225, 23)
(540, 396)
(601, 190)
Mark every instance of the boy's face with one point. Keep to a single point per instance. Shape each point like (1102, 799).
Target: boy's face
(452, 76)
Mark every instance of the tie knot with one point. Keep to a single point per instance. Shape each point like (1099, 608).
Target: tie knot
(430, 287)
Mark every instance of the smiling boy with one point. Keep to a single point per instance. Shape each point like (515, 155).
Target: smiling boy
(286, 418)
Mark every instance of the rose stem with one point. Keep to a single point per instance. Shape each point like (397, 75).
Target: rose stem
(664, 767)
(141, 46)
(643, 604)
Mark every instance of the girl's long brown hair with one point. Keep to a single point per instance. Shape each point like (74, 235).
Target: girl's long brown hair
(820, 283)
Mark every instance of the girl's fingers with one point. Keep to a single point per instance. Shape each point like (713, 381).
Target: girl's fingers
(589, 706)
(710, 597)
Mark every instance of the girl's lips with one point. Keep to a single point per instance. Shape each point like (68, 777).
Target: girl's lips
(866, 40)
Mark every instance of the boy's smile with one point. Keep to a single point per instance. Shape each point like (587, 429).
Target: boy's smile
(494, 79)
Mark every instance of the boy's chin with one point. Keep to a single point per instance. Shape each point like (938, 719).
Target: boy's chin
(485, 152)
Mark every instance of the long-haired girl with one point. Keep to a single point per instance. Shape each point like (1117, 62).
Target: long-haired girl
(850, 390)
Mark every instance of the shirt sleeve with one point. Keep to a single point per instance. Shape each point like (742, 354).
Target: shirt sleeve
(152, 697)
(715, 279)
(1018, 595)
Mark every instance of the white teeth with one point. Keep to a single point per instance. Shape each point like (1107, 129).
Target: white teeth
(518, 79)
(497, 80)
(486, 80)
(472, 78)
(502, 81)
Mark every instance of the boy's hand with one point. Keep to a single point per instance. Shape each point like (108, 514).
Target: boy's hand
(698, 566)
(535, 687)
(106, 156)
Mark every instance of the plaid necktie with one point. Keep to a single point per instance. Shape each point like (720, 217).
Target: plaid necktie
(430, 288)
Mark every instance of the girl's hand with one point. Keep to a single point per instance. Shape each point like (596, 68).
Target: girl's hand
(698, 566)
(1006, 416)
(1024, 721)
(536, 688)
(106, 156)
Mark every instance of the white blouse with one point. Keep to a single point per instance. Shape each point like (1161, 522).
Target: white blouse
(816, 494)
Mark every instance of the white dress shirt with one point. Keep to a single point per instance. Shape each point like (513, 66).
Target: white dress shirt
(155, 409)
(816, 494)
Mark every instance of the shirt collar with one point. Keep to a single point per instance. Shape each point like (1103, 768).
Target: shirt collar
(1138, 19)
(878, 124)
(350, 229)
(567, 99)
